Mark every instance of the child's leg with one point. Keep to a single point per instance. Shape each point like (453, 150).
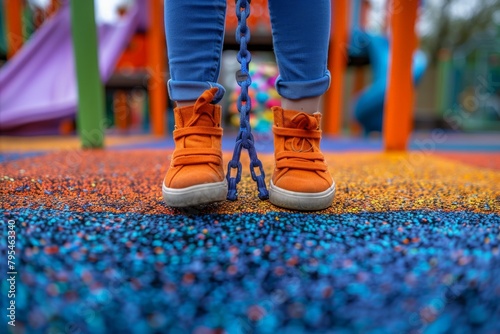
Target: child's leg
(301, 32)
(195, 32)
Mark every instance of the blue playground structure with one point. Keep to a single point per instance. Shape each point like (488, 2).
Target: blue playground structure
(369, 104)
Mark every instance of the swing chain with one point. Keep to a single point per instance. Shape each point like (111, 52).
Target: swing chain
(245, 138)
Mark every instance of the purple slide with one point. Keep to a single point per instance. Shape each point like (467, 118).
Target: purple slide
(39, 85)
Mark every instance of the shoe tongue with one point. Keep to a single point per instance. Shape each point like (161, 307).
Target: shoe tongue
(202, 113)
(300, 120)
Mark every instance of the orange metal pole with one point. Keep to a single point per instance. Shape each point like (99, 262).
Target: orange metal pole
(400, 90)
(156, 59)
(15, 38)
(337, 61)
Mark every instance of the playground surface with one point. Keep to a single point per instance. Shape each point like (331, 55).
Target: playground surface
(410, 244)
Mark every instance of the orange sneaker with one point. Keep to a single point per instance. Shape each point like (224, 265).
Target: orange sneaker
(196, 174)
(301, 180)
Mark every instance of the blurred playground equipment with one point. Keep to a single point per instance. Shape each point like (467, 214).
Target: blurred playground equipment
(369, 105)
(132, 62)
(262, 93)
(389, 102)
(39, 82)
(351, 44)
(470, 89)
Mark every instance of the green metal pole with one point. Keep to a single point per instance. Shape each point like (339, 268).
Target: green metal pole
(90, 118)
(443, 86)
(3, 32)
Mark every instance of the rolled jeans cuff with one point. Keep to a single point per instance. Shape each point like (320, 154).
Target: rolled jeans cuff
(294, 90)
(192, 90)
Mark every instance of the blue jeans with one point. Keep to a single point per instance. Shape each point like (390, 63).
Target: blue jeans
(195, 34)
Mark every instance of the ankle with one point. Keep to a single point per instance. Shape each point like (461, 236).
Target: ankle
(308, 105)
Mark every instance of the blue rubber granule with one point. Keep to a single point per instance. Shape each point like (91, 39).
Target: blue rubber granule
(389, 272)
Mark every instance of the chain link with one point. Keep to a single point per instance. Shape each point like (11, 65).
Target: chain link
(244, 104)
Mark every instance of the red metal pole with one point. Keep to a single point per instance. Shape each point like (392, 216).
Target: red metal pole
(13, 17)
(156, 60)
(337, 61)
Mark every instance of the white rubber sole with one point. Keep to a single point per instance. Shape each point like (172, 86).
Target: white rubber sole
(301, 201)
(195, 195)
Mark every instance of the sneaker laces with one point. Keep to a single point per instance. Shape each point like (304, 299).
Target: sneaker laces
(303, 121)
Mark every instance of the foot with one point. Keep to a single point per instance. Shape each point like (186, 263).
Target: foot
(196, 173)
(301, 180)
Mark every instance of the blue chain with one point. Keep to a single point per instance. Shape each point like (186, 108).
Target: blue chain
(245, 138)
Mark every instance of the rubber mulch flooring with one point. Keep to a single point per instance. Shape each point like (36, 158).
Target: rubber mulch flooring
(410, 245)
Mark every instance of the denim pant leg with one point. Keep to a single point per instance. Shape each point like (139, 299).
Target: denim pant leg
(195, 34)
(301, 35)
